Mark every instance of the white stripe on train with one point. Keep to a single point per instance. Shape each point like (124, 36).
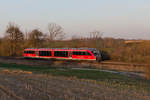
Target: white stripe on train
(58, 58)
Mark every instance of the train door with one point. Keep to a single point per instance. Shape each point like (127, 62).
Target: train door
(37, 53)
(70, 54)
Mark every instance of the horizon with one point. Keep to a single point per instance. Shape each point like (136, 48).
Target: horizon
(117, 18)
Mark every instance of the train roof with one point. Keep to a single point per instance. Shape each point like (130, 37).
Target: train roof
(91, 49)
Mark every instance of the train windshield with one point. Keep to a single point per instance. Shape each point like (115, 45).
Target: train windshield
(96, 53)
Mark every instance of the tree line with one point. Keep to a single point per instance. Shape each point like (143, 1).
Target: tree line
(14, 41)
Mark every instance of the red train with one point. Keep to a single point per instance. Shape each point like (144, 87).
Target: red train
(63, 53)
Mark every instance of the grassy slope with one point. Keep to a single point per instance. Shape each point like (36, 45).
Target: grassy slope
(104, 77)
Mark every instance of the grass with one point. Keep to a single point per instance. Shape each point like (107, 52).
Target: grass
(83, 74)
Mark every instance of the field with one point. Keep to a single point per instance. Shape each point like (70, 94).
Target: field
(27, 80)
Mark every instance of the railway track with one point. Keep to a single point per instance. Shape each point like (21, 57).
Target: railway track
(109, 65)
(103, 62)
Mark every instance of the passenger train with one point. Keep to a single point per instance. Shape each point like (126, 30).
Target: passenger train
(63, 53)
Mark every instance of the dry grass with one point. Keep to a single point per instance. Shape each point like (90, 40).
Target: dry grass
(43, 87)
(147, 72)
(16, 71)
(66, 84)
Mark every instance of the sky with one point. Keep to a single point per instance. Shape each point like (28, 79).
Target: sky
(129, 19)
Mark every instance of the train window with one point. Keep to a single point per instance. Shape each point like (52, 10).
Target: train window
(61, 53)
(76, 53)
(96, 53)
(44, 53)
(87, 53)
(81, 53)
(29, 52)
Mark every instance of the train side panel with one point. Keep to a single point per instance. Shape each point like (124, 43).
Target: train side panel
(83, 55)
(29, 53)
(59, 54)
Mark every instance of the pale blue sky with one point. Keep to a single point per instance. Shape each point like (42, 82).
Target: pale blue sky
(116, 18)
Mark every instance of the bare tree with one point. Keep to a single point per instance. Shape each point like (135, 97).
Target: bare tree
(96, 34)
(95, 39)
(14, 38)
(55, 32)
(35, 38)
(75, 37)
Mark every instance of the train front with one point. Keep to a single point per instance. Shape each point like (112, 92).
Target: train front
(97, 54)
